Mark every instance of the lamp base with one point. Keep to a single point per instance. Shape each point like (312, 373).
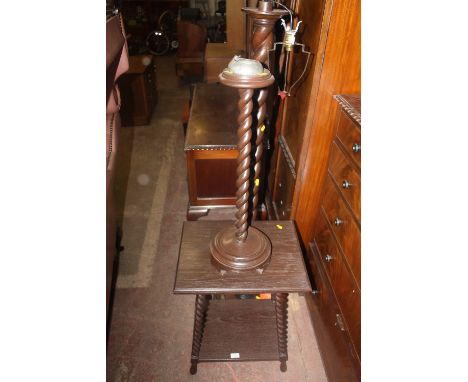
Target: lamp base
(229, 254)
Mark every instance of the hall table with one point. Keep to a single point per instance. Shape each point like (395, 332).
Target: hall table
(232, 329)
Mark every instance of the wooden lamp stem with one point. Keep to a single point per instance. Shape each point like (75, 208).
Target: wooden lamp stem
(261, 114)
(264, 18)
(240, 247)
(244, 134)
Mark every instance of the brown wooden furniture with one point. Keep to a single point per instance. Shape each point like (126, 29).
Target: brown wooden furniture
(211, 149)
(191, 52)
(138, 90)
(305, 131)
(335, 252)
(233, 329)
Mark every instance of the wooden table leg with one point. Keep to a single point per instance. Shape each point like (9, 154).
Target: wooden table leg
(281, 306)
(201, 305)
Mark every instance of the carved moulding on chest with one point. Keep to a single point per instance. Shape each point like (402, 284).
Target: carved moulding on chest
(288, 156)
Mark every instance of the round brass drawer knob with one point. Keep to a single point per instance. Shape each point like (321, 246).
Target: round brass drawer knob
(346, 184)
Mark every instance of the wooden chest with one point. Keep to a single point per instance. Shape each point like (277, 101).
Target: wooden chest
(211, 149)
(335, 251)
(138, 91)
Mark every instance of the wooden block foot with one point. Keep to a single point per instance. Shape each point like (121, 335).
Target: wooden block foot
(194, 213)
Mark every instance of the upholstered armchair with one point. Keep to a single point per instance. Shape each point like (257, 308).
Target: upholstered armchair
(116, 65)
(191, 52)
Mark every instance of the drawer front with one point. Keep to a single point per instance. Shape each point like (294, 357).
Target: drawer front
(350, 136)
(343, 225)
(332, 257)
(347, 178)
(323, 291)
(350, 303)
(338, 353)
(346, 290)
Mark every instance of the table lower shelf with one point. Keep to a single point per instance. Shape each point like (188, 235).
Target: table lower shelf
(240, 330)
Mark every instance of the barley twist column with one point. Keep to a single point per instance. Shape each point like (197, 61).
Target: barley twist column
(261, 113)
(262, 40)
(201, 305)
(241, 247)
(244, 134)
(263, 19)
(281, 306)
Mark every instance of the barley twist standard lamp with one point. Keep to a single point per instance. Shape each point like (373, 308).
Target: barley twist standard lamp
(240, 247)
(230, 329)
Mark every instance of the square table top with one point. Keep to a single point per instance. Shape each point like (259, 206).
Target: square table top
(196, 274)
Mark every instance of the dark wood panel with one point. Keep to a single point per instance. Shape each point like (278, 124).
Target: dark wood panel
(195, 273)
(347, 178)
(216, 178)
(217, 165)
(240, 328)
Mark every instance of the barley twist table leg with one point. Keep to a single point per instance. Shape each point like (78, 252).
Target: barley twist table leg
(201, 305)
(281, 306)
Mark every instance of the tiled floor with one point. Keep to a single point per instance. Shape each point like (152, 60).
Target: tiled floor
(151, 329)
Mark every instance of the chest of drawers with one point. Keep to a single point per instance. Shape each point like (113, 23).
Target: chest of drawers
(336, 248)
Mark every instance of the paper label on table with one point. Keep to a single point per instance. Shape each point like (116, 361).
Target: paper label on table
(235, 355)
